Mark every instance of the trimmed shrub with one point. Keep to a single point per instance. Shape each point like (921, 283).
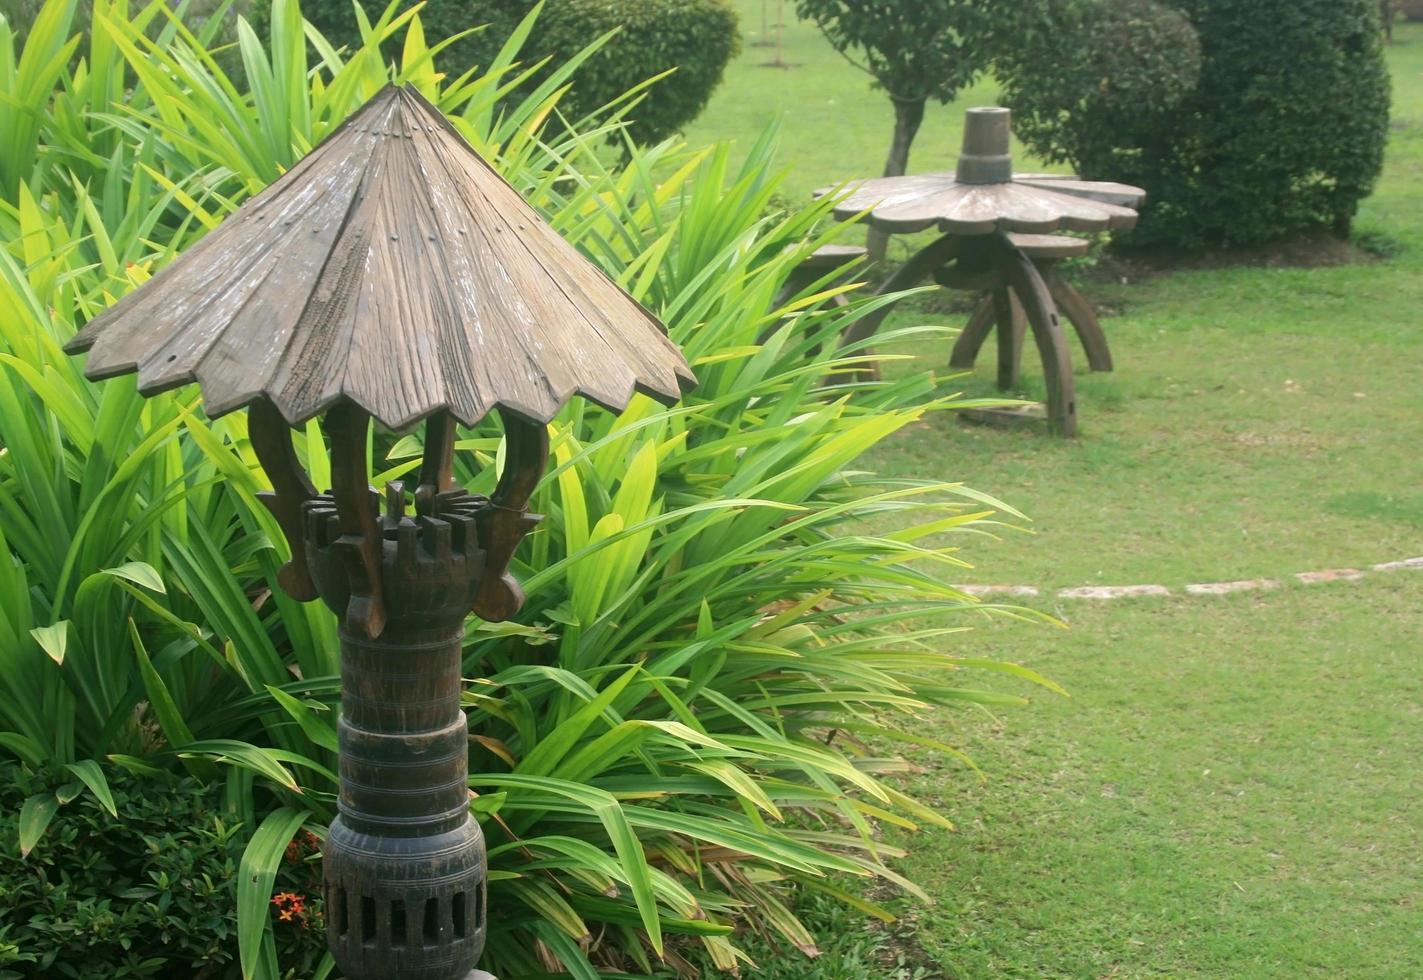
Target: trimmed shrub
(697, 38)
(1105, 91)
(20, 15)
(1279, 128)
(149, 893)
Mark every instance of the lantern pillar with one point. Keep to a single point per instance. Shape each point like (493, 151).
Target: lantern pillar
(404, 864)
(394, 274)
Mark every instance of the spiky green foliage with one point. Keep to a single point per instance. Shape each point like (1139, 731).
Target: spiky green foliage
(718, 648)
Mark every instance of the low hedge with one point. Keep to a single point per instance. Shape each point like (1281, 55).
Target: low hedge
(149, 893)
(697, 38)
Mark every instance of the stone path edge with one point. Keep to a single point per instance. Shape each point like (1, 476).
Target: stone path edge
(1196, 588)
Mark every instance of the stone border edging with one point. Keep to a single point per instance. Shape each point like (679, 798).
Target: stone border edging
(1195, 589)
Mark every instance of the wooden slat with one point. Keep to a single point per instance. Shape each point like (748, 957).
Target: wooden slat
(1051, 246)
(1105, 191)
(907, 213)
(278, 309)
(834, 256)
(889, 191)
(978, 211)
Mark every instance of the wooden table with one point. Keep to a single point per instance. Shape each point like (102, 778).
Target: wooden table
(977, 208)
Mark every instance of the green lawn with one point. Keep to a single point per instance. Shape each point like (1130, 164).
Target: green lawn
(1233, 789)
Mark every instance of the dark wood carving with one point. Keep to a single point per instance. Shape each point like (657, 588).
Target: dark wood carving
(404, 865)
(1024, 281)
(1046, 252)
(291, 489)
(503, 524)
(348, 426)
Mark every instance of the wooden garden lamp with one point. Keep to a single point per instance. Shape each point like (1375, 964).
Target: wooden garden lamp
(393, 275)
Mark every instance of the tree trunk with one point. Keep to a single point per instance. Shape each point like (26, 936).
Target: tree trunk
(1386, 9)
(908, 116)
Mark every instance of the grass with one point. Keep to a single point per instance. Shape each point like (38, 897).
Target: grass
(1232, 790)
(1230, 793)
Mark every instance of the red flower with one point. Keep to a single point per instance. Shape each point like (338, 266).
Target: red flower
(290, 906)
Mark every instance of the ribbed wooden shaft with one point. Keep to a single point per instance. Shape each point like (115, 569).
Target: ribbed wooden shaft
(404, 740)
(404, 861)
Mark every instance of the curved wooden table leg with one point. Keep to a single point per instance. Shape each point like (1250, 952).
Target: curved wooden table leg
(970, 342)
(1008, 315)
(920, 266)
(1083, 319)
(1024, 279)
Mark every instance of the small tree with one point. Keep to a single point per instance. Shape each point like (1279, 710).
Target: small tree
(916, 50)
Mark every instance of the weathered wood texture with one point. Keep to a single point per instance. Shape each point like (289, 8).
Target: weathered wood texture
(976, 208)
(833, 257)
(1023, 279)
(1039, 247)
(404, 866)
(985, 158)
(910, 204)
(393, 267)
(1105, 191)
(985, 196)
(392, 274)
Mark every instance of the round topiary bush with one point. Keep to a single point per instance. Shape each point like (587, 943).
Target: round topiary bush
(1097, 90)
(694, 39)
(1245, 121)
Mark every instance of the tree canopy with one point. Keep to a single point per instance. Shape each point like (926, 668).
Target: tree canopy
(915, 49)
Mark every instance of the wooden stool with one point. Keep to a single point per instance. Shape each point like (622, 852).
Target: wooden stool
(1001, 307)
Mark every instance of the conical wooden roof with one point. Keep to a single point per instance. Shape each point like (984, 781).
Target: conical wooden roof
(394, 267)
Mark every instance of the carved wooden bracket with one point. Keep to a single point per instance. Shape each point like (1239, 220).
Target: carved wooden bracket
(357, 504)
(503, 524)
(291, 488)
(437, 468)
(501, 521)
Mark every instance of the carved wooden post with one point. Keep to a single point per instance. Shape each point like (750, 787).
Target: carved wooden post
(392, 276)
(404, 862)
